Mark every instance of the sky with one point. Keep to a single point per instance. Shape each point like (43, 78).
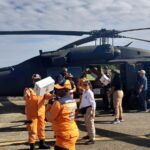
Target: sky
(82, 15)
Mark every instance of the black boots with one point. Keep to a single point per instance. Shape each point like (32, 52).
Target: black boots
(59, 148)
(42, 145)
(32, 146)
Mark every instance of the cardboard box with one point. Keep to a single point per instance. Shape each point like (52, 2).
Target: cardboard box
(105, 80)
(44, 86)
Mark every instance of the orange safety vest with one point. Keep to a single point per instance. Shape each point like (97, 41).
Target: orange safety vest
(64, 123)
(34, 104)
(68, 84)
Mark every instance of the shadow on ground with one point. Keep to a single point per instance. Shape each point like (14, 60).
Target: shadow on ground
(118, 136)
(7, 106)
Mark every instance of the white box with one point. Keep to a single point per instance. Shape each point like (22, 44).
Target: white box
(44, 86)
(105, 80)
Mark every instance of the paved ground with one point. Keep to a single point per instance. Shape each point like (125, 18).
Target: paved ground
(133, 134)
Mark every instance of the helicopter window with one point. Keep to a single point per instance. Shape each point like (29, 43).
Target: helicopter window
(76, 71)
(138, 52)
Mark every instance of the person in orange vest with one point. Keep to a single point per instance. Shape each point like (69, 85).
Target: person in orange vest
(35, 113)
(73, 86)
(62, 76)
(62, 115)
(67, 81)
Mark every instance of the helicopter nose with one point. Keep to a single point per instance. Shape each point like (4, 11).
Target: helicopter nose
(5, 80)
(6, 71)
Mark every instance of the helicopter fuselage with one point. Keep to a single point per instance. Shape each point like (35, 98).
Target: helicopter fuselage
(15, 78)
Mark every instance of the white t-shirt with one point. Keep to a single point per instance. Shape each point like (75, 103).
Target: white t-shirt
(88, 99)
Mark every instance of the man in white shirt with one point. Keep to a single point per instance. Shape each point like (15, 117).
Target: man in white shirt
(87, 108)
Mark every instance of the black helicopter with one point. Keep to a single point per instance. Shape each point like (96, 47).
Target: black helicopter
(14, 79)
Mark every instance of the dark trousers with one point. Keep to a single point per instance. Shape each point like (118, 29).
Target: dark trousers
(105, 102)
(143, 101)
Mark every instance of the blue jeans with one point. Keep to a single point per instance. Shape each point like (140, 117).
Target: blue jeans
(143, 101)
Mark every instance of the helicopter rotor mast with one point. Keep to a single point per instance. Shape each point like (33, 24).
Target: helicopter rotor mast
(102, 34)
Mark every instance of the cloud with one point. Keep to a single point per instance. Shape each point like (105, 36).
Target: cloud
(73, 14)
(68, 15)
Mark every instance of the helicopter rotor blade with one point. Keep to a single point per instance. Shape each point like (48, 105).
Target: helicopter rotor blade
(45, 32)
(138, 29)
(93, 35)
(92, 38)
(120, 36)
(78, 42)
(96, 33)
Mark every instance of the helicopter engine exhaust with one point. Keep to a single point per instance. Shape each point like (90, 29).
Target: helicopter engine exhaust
(91, 54)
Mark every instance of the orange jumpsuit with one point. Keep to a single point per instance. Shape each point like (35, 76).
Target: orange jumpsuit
(35, 113)
(62, 114)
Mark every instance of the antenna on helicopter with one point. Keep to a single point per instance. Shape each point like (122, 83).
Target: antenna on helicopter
(40, 51)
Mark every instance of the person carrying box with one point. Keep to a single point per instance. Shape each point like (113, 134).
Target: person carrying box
(35, 113)
(62, 116)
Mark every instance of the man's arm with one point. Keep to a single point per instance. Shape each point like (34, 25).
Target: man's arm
(93, 103)
(54, 111)
(26, 94)
(141, 85)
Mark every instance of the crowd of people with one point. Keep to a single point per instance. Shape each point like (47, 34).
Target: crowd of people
(61, 108)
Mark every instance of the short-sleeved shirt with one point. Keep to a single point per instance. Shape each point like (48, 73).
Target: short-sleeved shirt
(143, 82)
(88, 99)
